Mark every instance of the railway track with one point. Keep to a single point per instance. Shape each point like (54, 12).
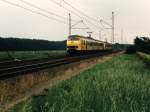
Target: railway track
(22, 67)
(8, 64)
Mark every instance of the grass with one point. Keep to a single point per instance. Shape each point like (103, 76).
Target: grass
(14, 88)
(145, 57)
(24, 55)
(118, 85)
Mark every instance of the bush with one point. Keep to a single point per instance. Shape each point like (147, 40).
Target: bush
(143, 44)
(131, 49)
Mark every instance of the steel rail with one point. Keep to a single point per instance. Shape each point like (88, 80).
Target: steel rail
(8, 64)
(11, 72)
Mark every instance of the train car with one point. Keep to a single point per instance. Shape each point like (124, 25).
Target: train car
(81, 44)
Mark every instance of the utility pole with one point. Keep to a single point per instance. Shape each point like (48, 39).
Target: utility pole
(69, 24)
(113, 28)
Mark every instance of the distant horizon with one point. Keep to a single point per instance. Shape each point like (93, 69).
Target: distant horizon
(40, 39)
(32, 38)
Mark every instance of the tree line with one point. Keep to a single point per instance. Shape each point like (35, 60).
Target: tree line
(141, 44)
(17, 44)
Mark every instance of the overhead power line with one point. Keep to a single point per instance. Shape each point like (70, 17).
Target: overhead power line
(102, 21)
(80, 11)
(65, 8)
(44, 10)
(76, 14)
(88, 26)
(32, 11)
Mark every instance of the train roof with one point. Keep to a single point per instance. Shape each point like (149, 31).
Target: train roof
(90, 38)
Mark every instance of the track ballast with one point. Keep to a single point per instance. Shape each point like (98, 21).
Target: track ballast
(19, 68)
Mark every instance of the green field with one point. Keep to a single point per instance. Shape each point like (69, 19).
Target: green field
(121, 84)
(24, 55)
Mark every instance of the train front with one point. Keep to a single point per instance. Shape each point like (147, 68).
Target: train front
(73, 44)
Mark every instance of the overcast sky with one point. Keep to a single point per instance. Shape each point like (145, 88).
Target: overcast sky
(132, 16)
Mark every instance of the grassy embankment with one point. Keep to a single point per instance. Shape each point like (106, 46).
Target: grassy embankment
(145, 57)
(118, 85)
(24, 55)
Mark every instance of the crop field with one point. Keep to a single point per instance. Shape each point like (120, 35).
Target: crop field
(121, 84)
(24, 55)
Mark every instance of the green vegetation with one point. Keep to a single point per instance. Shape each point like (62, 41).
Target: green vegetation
(16, 48)
(131, 49)
(141, 44)
(17, 44)
(24, 55)
(118, 85)
(144, 57)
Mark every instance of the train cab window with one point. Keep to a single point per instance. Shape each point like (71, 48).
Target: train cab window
(73, 38)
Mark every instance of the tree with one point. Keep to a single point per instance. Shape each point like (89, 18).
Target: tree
(142, 44)
(16, 44)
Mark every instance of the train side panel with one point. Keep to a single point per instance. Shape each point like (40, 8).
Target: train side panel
(79, 44)
(93, 45)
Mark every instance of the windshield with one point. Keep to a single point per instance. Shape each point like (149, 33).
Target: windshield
(73, 38)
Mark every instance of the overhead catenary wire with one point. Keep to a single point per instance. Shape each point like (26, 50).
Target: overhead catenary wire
(93, 32)
(44, 10)
(87, 26)
(77, 23)
(80, 11)
(41, 9)
(65, 8)
(80, 14)
(76, 14)
(101, 20)
(36, 12)
(32, 11)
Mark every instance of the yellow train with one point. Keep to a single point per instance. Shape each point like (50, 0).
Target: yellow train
(81, 44)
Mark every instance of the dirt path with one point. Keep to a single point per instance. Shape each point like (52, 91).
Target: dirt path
(45, 79)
